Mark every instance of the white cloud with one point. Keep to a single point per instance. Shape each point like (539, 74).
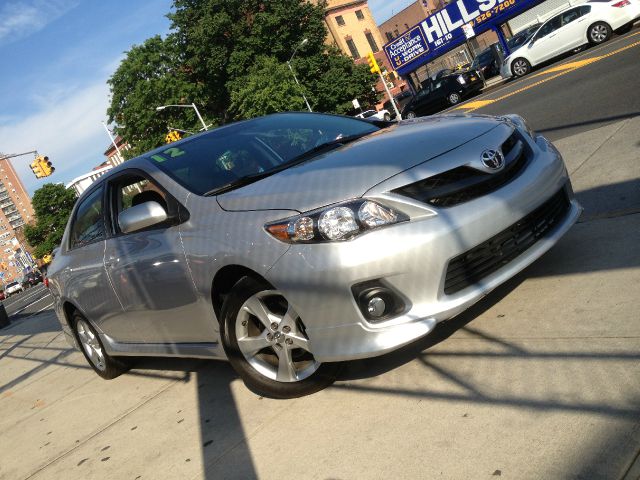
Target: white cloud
(19, 19)
(67, 129)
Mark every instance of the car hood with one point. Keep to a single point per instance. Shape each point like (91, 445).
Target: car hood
(349, 171)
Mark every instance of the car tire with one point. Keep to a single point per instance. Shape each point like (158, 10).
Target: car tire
(598, 33)
(387, 117)
(454, 98)
(266, 344)
(520, 67)
(93, 350)
(410, 115)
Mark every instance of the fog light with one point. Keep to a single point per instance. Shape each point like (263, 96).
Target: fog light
(376, 307)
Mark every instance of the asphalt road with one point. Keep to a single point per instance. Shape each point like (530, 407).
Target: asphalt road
(560, 100)
(27, 303)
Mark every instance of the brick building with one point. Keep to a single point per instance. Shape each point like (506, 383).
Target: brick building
(15, 211)
(353, 30)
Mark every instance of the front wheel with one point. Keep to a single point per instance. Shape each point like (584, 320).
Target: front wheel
(265, 341)
(387, 117)
(454, 98)
(520, 67)
(599, 33)
(410, 115)
(93, 349)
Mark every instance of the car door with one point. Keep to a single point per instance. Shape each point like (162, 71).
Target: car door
(148, 267)
(438, 96)
(82, 266)
(570, 35)
(543, 45)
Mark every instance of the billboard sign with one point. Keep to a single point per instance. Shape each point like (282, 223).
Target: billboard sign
(445, 30)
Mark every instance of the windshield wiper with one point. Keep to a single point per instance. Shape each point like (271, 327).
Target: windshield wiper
(248, 179)
(239, 182)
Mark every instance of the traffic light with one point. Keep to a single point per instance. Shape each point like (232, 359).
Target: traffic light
(36, 168)
(373, 64)
(172, 136)
(46, 166)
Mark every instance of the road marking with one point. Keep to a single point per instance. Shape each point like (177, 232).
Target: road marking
(28, 295)
(475, 104)
(580, 64)
(566, 66)
(28, 305)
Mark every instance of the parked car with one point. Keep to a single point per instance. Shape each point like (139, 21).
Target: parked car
(401, 100)
(13, 287)
(374, 114)
(486, 63)
(292, 242)
(2, 297)
(437, 95)
(31, 279)
(593, 23)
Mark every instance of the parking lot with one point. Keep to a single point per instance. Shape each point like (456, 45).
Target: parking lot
(541, 379)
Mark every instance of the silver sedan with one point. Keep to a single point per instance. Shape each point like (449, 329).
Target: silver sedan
(290, 243)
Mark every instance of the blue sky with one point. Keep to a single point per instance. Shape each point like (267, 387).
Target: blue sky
(56, 56)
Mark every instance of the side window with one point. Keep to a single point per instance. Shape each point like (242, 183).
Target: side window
(570, 15)
(131, 191)
(88, 224)
(551, 26)
(584, 10)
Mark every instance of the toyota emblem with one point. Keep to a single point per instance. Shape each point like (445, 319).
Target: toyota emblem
(492, 159)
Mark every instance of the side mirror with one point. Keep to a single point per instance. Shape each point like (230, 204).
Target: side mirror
(141, 216)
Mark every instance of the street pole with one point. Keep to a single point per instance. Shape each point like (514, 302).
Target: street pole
(299, 86)
(113, 141)
(393, 102)
(204, 125)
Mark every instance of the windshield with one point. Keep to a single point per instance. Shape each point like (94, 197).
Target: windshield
(521, 38)
(253, 148)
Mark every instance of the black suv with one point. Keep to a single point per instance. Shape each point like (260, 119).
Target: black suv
(441, 93)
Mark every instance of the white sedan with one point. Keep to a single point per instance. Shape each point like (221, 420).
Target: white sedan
(593, 22)
(13, 287)
(381, 115)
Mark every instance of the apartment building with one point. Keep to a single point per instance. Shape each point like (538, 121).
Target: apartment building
(15, 211)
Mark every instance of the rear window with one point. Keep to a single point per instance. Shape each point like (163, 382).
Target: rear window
(221, 156)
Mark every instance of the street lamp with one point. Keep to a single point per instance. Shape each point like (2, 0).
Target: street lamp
(303, 42)
(193, 105)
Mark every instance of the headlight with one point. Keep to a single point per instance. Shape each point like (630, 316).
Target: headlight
(335, 223)
(461, 80)
(518, 121)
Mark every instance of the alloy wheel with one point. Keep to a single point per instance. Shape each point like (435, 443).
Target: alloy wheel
(454, 98)
(411, 115)
(270, 336)
(599, 33)
(520, 67)
(91, 345)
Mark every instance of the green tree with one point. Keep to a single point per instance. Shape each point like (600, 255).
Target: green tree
(229, 57)
(52, 205)
(152, 74)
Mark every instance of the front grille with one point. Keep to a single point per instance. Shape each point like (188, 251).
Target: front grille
(463, 184)
(484, 259)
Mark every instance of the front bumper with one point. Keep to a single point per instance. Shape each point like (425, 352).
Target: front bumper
(411, 258)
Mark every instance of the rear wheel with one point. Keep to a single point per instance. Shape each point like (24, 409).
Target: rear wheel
(410, 115)
(387, 117)
(520, 67)
(266, 343)
(93, 350)
(598, 33)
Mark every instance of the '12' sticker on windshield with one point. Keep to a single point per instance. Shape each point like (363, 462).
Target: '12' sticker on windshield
(172, 152)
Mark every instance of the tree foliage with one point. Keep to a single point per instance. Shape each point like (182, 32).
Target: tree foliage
(52, 204)
(229, 58)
